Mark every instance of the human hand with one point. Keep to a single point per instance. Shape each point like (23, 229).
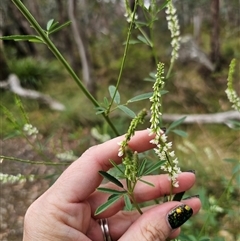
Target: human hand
(66, 210)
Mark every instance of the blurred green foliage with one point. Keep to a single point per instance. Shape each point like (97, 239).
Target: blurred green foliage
(35, 73)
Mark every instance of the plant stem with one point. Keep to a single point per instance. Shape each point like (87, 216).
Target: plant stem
(136, 204)
(2, 158)
(59, 56)
(124, 57)
(153, 46)
(169, 70)
(130, 189)
(145, 36)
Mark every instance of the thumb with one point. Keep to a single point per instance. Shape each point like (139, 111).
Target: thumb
(159, 223)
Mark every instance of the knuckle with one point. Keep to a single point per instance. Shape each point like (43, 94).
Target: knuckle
(153, 233)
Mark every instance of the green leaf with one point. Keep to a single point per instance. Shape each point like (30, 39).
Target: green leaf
(236, 169)
(128, 203)
(148, 183)
(180, 133)
(106, 102)
(133, 42)
(186, 237)
(54, 25)
(112, 196)
(112, 90)
(234, 161)
(37, 40)
(110, 178)
(140, 97)
(178, 196)
(154, 167)
(22, 38)
(141, 23)
(235, 125)
(100, 110)
(164, 5)
(127, 111)
(176, 123)
(163, 92)
(149, 79)
(143, 39)
(57, 28)
(107, 204)
(49, 24)
(109, 190)
(141, 168)
(10, 116)
(116, 166)
(152, 77)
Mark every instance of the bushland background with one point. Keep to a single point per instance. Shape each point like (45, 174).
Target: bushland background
(196, 86)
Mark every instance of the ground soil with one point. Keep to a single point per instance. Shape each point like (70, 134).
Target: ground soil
(16, 197)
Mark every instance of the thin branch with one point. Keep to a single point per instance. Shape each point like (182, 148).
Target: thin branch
(9, 158)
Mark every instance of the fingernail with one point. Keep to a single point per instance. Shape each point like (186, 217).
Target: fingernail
(192, 171)
(179, 215)
(194, 196)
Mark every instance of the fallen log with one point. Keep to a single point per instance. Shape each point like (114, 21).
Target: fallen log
(13, 84)
(215, 118)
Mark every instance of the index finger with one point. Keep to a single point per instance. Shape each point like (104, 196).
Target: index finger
(81, 178)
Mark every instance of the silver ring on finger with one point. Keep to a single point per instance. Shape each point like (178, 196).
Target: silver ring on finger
(105, 229)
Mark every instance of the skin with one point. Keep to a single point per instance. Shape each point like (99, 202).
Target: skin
(66, 210)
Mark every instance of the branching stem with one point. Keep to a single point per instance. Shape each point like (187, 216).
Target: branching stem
(59, 56)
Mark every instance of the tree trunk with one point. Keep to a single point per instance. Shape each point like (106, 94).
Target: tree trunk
(87, 79)
(21, 25)
(215, 40)
(197, 24)
(66, 35)
(4, 71)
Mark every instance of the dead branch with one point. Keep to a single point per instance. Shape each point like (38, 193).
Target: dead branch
(190, 51)
(13, 84)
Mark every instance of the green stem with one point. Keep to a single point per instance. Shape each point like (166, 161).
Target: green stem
(124, 57)
(59, 56)
(135, 204)
(169, 70)
(130, 189)
(2, 158)
(145, 36)
(153, 47)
